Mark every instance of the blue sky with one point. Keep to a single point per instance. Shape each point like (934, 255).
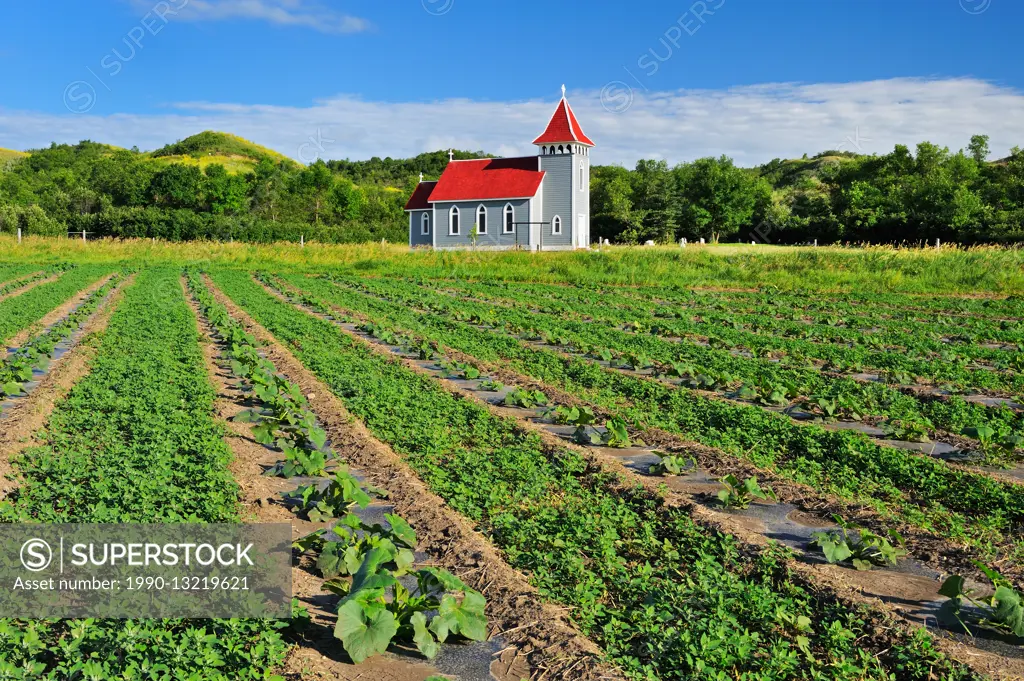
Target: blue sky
(675, 80)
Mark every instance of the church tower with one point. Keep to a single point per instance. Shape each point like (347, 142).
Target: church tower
(564, 155)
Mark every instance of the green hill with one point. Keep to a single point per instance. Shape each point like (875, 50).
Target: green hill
(233, 152)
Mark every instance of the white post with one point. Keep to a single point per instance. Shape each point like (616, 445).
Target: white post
(702, 241)
(83, 236)
(938, 244)
(753, 243)
(815, 243)
(302, 240)
(682, 242)
(19, 235)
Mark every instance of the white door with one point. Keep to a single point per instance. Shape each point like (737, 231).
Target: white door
(581, 231)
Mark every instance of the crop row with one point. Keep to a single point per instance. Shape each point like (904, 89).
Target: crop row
(21, 311)
(871, 303)
(375, 556)
(19, 277)
(18, 366)
(752, 379)
(924, 350)
(916, 490)
(135, 441)
(663, 596)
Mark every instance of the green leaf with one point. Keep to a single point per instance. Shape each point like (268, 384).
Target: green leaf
(465, 618)
(424, 640)
(364, 635)
(401, 529)
(1009, 611)
(331, 561)
(11, 388)
(318, 437)
(953, 587)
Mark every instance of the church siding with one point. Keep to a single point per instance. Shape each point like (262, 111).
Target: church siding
(494, 238)
(415, 238)
(558, 199)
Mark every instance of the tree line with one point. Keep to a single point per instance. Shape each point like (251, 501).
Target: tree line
(835, 196)
(123, 193)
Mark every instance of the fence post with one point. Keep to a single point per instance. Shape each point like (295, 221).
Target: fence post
(19, 235)
(83, 236)
(815, 243)
(938, 245)
(302, 240)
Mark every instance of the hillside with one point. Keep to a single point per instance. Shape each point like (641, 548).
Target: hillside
(10, 154)
(236, 154)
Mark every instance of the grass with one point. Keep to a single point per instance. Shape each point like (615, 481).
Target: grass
(213, 144)
(236, 165)
(11, 154)
(879, 269)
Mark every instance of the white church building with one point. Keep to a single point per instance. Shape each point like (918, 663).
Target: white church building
(537, 202)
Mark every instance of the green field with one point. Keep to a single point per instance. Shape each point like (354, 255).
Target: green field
(628, 429)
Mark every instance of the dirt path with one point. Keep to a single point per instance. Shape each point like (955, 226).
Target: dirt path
(893, 596)
(57, 314)
(21, 422)
(31, 285)
(542, 644)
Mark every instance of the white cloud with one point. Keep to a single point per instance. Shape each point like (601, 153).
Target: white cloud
(752, 124)
(299, 13)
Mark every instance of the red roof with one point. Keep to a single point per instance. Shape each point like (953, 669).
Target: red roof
(563, 127)
(488, 178)
(420, 199)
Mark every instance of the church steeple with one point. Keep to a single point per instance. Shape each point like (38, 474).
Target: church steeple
(563, 134)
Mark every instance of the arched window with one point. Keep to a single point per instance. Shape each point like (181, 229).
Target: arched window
(481, 220)
(583, 177)
(453, 221)
(561, 149)
(425, 224)
(556, 225)
(510, 219)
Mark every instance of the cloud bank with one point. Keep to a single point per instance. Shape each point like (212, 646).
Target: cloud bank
(752, 124)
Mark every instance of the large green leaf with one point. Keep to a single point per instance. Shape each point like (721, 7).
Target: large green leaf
(364, 634)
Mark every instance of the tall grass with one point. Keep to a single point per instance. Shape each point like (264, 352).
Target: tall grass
(878, 269)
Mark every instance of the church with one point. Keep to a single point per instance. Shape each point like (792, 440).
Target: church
(537, 202)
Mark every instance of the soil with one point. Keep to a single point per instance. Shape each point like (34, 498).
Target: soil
(882, 591)
(24, 419)
(542, 642)
(56, 314)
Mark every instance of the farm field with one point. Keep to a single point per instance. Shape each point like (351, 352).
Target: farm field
(631, 464)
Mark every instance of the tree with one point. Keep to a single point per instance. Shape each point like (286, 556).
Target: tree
(611, 202)
(314, 184)
(978, 148)
(716, 198)
(177, 186)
